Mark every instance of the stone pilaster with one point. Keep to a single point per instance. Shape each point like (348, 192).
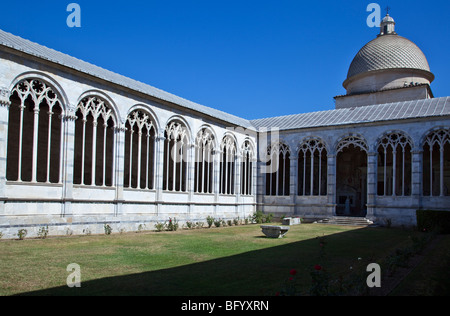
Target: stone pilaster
(372, 159)
(119, 163)
(4, 118)
(416, 177)
(68, 153)
(331, 183)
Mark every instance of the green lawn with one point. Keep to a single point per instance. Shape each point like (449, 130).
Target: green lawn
(228, 261)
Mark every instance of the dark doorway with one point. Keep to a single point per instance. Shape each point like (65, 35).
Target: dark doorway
(351, 182)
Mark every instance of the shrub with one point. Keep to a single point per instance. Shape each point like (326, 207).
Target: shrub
(210, 221)
(218, 222)
(108, 229)
(43, 232)
(22, 233)
(259, 217)
(173, 224)
(429, 220)
(160, 226)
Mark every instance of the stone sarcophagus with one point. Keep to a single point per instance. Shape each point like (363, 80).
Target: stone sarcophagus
(274, 231)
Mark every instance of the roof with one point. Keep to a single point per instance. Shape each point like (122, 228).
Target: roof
(365, 114)
(36, 50)
(388, 52)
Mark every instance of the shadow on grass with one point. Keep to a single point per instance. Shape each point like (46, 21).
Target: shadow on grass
(260, 272)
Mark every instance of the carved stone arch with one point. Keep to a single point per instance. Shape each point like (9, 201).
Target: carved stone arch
(279, 146)
(205, 146)
(35, 129)
(248, 160)
(394, 138)
(432, 135)
(92, 99)
(48, 80)
(177, 144)
(352, 139)
(312, 143)
(150, 113)
(312, 154)
(278, 169)
(436, 154)
(178, 119)
(248, 146)
(394, 163)
(210, 130)
(140, 150)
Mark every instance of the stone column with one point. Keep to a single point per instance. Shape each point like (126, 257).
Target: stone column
(216, 186)
(372, 160)
(119, 163)
(159, 168)
(190, 183)
(416, 177)
(4, 119)
(68, 156)
(293, 181)
(331, 183)
(237, 183)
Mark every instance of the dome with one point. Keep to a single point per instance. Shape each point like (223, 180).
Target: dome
(387, 18)
(388, 52)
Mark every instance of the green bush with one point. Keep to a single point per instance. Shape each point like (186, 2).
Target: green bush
(430, 220)
(210, 221)
(259, 217)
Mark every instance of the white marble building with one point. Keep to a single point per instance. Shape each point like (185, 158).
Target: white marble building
(81, 147)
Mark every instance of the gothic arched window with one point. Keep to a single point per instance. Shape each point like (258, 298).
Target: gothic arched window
(94, 142)
(278, 170)
(204, 162)
(35, 130)
(436, 163)
(139, 151)
(175, 157)
(247, 168)
(227, 165)
(312, 168)
(394, 165)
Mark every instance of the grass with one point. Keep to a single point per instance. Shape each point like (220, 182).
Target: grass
(229, 261)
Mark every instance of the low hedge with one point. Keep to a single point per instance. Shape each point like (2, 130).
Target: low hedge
(431, 220)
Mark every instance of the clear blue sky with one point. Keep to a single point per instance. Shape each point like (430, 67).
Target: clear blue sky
(253, 59)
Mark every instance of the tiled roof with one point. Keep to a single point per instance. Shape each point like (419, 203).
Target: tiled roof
(357, 115)
(31, 48)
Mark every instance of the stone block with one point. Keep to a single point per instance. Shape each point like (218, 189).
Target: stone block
(291, 221)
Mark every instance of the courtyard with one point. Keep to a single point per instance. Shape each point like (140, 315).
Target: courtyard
(229, 261)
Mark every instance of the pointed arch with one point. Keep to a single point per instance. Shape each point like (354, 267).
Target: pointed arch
(204, 160)
(228, 150)
(35, 132)
(436, 166)
(248, 157)
(176, 147)
(278, 169)
(394, 164)
(95, 128)
(312, 167)
(139, 160)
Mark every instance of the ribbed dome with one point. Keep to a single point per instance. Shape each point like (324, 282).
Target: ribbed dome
(388, 52)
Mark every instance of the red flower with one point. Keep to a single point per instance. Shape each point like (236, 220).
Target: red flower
(293, 272)
(291, 279)
(317, 267)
